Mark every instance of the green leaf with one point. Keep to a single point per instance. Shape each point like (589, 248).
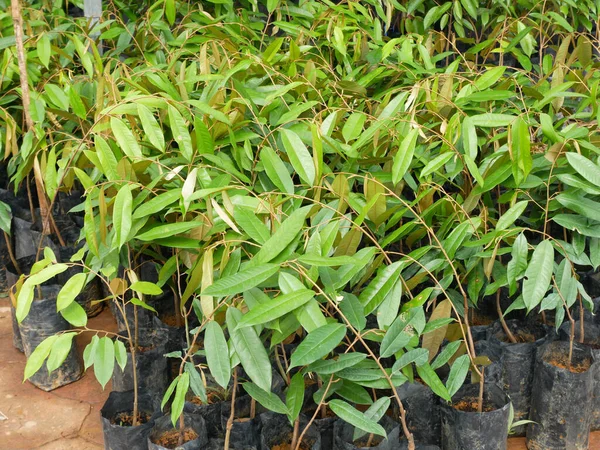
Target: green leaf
(419, 356)
(329, 366)
(579, 204)
(60, 351)
(5, 218)
(538, 275)
(404, 155)
(183, 384)
(586, 168)
(167, 230)
(521, 150)
(125, 138)
(169, 392)
(284, 235)
(75, 315)
(510, 216)
(217, 353)
(326, 261)
(375, 412)
(275, 308)
(353, 126)
(399, 335)
(104, 360)
(151, 127)
(157, 204)
(430, 378)
(146, 288)
(374, 294)
(436, 163)
(245, 279)
(266, 398)
(107, 159)
(354, 417)
(120, 354)
(276, 170)
(250, 350)
(196, 383)
(181, 133)
(445, 355)
(122, 215)
(317, 344)
(170, 14)
(458, 373)
(76, 103)
(518, 264)
(299, 156)
(353, 311)
(44, 49)
(38, 356)
(491, 120)
(89, 354)
(294, 397)
(26, 294)
(70, 290)
(251, 225)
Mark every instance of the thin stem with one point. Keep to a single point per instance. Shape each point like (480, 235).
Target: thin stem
(581, 321)
(232, 414)
(481, 384)
(11, 254)
(295, 442)
(181, 430)
(507, 331)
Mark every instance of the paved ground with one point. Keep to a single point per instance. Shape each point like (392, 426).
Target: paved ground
(67, 418)
(64, 419)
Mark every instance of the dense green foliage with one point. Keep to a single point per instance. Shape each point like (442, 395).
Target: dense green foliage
(351, 177)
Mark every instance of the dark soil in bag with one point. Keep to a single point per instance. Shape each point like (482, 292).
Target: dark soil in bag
(325, 427)
(165, 436)
(463, 428)
(343, 434)
(43, 321)
(151, 365)
(219, 444)
(591, 336)
(561, 400)
(276, 433)
(517, 361)
(116, 416)
(245, 431)
(422, 412)
(218, 398)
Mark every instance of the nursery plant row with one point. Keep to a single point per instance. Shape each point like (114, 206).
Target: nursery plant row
(317, 224)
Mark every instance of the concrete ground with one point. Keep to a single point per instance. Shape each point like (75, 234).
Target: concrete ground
(68, 418)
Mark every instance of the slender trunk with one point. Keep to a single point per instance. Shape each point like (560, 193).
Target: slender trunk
(181, 430)
(232, 414)
(295, 442)
(136, 340)
(581, 322)
(177, 310)
(135, 385)
(370, 440)
(18, 26)
(11, 254)
(282, 372)
(481, 384)
(252, 408)
(507, 331)
(571, 340)
(544, 321)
